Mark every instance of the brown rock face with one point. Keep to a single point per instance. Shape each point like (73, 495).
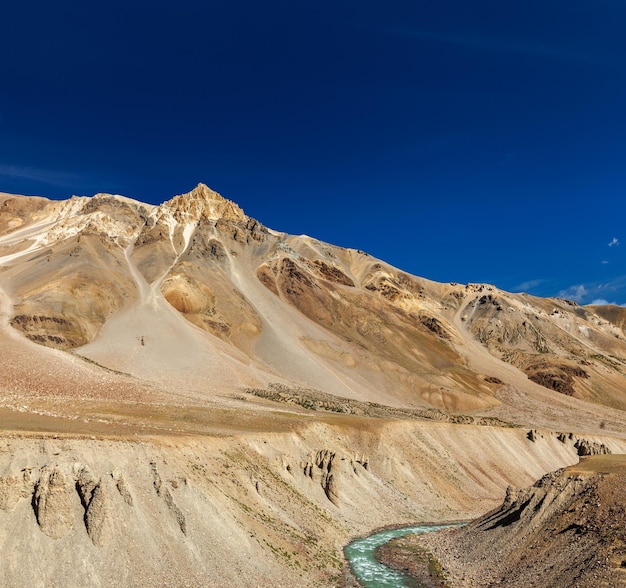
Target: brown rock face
(566, 530)
(187, 296)
(585, 448)
(52, 503)
(55, 495)
(98, 516)
(96, 500)
(12, 488)
(201, 203)
(557, 377)
(16, 211)
(328, 479)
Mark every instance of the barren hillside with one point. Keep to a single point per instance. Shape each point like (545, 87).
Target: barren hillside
(159, 292)
(189, 398)
(566, 530)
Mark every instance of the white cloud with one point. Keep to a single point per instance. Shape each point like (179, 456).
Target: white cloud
(526, 286)
(38, 175)
(600, 301)
(604, 262)
(612, 290)
(614, 241)
(575, 293)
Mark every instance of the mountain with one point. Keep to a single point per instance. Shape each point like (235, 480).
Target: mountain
(188, 397)
(152, 290)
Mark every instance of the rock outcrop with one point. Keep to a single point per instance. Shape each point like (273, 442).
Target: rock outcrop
(55, 494)
(95, 496)
(52, 502)
(586, 448)
(565, 531)
(165, 493)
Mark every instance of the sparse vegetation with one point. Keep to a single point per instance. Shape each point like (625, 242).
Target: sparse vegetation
(317, 400)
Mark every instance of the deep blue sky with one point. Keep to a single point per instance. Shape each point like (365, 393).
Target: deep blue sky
(479, 141)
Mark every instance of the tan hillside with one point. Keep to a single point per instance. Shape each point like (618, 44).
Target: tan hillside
(189, 398)
(103, 275)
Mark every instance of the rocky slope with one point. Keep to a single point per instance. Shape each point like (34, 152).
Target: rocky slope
(253, 510)
(565, 530)
(137, 288)
(188, 398)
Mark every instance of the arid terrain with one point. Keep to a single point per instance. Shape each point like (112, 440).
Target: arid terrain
(189, 398)
(568, 529)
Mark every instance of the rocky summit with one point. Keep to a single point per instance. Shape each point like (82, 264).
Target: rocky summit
(190, 398)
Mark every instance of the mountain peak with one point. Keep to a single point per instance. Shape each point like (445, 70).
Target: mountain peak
(205, 192)
(201, 203)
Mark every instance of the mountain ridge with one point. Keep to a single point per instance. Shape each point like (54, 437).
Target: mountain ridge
(284, 308)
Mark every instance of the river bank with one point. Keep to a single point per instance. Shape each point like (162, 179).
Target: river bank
(417, 563)
(566, 530)
(375, 565)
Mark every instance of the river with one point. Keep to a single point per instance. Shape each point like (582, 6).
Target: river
(373, 574)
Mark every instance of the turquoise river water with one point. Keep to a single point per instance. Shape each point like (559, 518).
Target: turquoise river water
(371, 573)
